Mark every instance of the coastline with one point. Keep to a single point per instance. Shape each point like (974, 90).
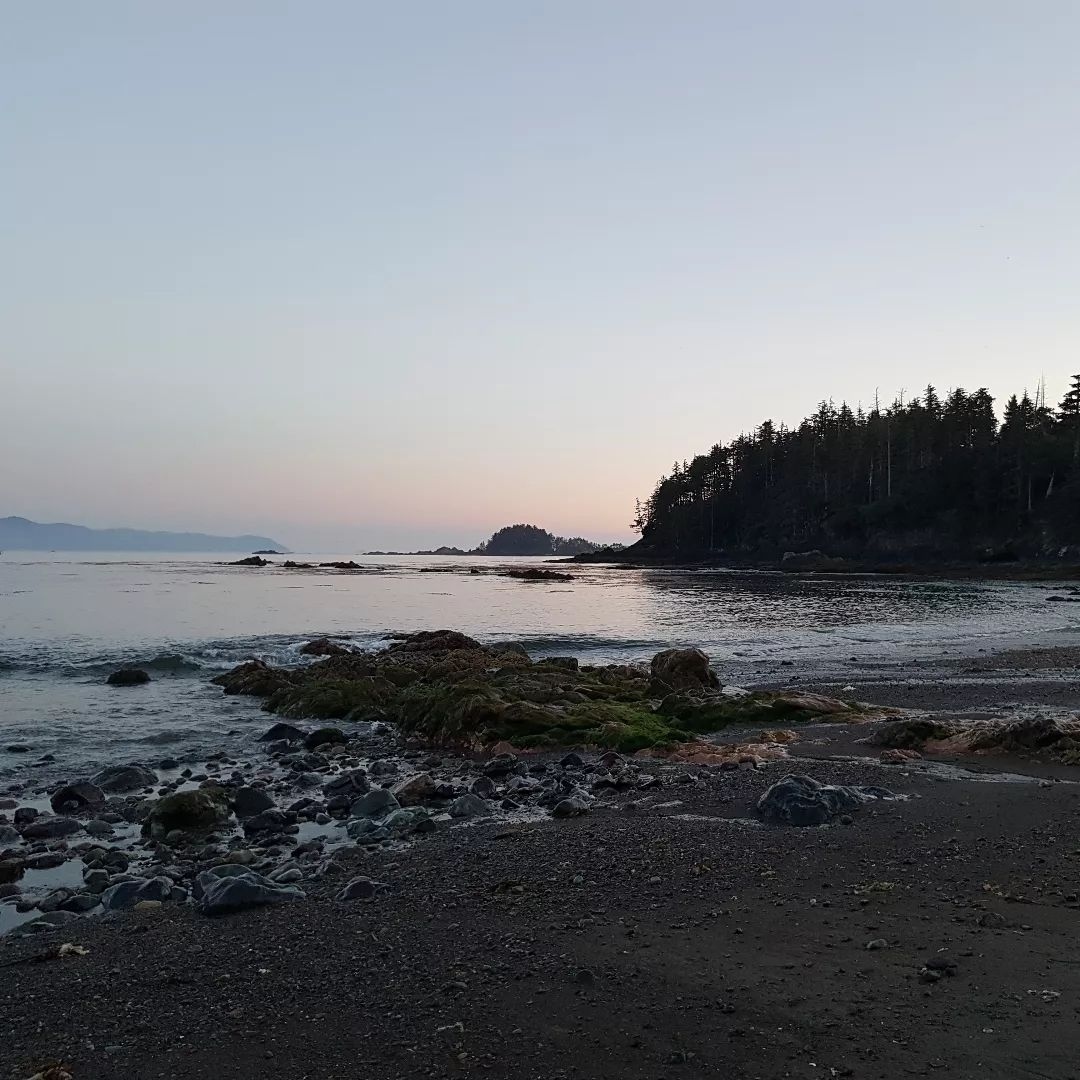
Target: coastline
(666, 931)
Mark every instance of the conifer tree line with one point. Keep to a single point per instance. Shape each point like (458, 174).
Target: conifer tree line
(932, 475)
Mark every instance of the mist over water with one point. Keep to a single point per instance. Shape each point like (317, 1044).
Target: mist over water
(66, 621)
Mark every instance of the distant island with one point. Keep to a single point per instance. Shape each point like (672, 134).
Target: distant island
(517, 540)
(927, 480)
(21, 534)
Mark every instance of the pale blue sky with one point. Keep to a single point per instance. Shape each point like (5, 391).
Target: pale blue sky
(361, 275)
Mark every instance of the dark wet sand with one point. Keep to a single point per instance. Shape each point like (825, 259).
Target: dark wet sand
(664, 941)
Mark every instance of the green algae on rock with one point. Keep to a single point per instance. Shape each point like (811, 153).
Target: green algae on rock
(447, 688)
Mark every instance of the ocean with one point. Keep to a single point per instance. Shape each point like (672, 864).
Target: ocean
(68, 620)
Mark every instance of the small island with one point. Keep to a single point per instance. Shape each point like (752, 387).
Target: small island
(519, 540)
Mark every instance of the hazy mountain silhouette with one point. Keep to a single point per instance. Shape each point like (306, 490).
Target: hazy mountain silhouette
(20, 534)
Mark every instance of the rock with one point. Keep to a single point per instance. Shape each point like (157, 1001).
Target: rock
(286, 732)
(25, 814)
(682, 669)
(467, 806)
(500, 765)
(324, 736)
(46, 860)
(267, 821)
(78, 796)
(877, 943)
(96, 880)
(201, 809)
(51, 828)
(898, 757)
(49, 921)
(804, 801)
(9, 835)
(126, 894)
(80, 902)
(566, 808)
(376, 803)
(251, 560)
(99, 829)
(361, 888)
(349, 784)
(11, 870)
(223, 895)
(414, 789)
(563, 663)
(128, 677)
(17, 748)
(119, 778)
(325, 646)
(572, 761)
(249, 801)
(483, 786)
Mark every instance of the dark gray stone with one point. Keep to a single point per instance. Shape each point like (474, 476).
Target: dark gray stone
(249, 801)
(125, 778)
(78, 796)
(51, 828)
(361, 888)
(375, 803)
(223, 895)
(804, 801)
(283, 732)
(126, 894)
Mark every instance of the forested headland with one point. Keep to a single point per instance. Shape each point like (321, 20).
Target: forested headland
(929, 478)
(519, 540)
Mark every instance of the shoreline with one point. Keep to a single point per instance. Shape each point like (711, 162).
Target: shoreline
(665, 931)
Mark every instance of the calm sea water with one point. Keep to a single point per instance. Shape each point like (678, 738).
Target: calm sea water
(66, 621)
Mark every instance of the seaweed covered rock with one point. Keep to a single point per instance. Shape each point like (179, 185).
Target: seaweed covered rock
(909, 734)
(802, 800)
(203, 808)
(445, 688)
(682, 669)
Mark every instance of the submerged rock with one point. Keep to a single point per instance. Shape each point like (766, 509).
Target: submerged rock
(286, 732)
(804, 801)
(128, 677)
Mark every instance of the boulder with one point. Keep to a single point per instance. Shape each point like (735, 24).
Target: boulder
(325, 646)
(572, 807)
(682, 669)
(81, 795)
(500, 765)
(126, 894)
(804, 801)
(274, 821)
(128, 677)
(361, 888)
(351, 783)
(248, 801)
(9, 835)
(483, 786)
(51, 828)
(414, 789)
(375, 804)
(203, 808)
(469, 805)
(120, 778)
(224, 895)
(324, 736)
(280, 732)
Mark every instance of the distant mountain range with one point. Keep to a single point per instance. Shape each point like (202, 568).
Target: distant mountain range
(20, 534)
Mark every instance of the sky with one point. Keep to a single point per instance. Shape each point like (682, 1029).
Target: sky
(358, 275)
